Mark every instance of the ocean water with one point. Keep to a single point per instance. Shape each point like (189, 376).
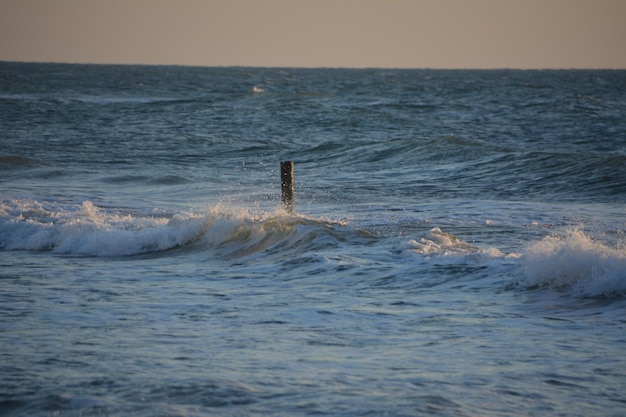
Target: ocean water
(458, 245)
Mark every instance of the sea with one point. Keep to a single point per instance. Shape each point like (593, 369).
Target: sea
(457, 245)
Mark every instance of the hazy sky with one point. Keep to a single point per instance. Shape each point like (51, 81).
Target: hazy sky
(318, 33)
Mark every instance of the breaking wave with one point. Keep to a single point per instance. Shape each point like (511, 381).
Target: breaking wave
(574, 263)
(577, 264)
(92, 231)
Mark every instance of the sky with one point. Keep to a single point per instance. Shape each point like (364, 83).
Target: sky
(318, 33)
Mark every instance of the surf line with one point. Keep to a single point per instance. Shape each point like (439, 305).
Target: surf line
(287, 186)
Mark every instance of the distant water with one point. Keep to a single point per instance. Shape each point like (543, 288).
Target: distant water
(458, 247)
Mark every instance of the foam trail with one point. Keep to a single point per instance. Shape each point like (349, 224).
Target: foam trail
(441, 245)
(578, 264)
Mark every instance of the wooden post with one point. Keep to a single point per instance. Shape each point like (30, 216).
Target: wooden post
(287, 185)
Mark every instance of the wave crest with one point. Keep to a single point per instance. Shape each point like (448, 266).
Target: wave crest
(227, 233)
(440, 244)
(578, 264)
(89, 231)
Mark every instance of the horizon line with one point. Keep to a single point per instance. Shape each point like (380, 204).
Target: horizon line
(317, 66)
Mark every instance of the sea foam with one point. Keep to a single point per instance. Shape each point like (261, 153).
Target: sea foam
(441, 245)
(229, 232)
(89, 231)
(577, 264)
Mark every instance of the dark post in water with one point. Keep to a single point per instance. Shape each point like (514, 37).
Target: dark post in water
(287, 185)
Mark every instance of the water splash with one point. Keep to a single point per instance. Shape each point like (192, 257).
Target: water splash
(576, 263)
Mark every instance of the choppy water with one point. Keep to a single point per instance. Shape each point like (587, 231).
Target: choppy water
(458, 246)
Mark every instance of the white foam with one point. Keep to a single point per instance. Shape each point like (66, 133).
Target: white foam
(576, 263)
(28, 225)
(443, 245)
(92, 231)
